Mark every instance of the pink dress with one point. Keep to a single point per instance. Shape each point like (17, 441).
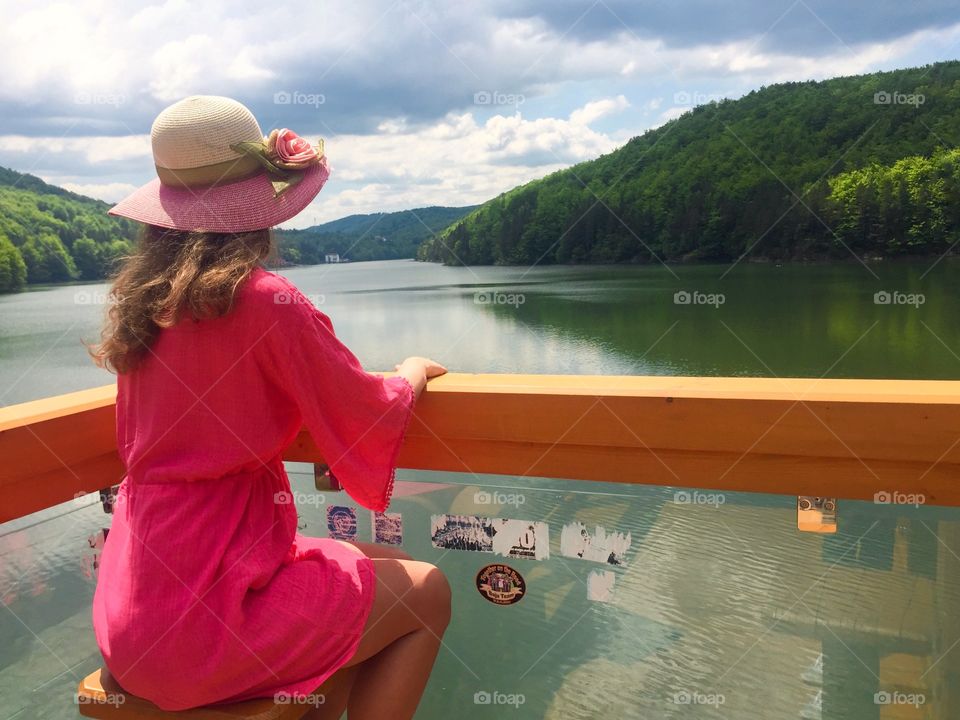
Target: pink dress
(206, 591)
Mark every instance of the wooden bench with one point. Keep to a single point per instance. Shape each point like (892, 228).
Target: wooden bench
(100, 696)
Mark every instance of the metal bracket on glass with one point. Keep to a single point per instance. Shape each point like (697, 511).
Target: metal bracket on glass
(108, 498)
(324, 480)
(816, 514)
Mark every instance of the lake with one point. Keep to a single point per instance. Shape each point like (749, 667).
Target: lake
(721, 607)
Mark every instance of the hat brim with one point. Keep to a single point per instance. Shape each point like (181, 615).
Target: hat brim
(241, 206)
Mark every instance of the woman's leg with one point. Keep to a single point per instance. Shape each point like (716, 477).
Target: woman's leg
(387, 674)
(335, 693)
(410, 613)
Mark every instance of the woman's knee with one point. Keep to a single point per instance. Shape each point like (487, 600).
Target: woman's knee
(437, 588)
(415, 590)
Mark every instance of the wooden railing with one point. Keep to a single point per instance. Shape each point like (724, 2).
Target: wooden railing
(840, 438)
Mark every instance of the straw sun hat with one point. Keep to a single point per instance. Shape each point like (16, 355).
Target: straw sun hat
(217, 172)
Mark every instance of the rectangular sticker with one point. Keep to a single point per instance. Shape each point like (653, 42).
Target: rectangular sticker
(521, 539)
(462, 532)
(388, 528)
(601, 546)
(342, 522)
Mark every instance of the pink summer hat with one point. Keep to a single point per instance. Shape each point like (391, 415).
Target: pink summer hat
(216, 172)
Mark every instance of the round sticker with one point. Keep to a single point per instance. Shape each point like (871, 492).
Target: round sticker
(501, 584)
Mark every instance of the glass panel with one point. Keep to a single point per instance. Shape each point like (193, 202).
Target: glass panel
(721, 607)
(714, 605)
(47, 581)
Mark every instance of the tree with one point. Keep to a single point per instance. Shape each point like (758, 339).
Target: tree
(86, 255)
(13, 270)
(47, 259)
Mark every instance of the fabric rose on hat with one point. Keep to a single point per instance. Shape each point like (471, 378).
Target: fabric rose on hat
(290, 151)
(284, 155)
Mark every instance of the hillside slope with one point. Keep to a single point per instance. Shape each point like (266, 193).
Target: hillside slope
(48, 234)
(378, 236)
(749, 176)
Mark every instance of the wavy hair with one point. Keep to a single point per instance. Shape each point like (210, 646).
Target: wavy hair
(172, 275)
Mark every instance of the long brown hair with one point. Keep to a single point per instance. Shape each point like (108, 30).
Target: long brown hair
(172, 275)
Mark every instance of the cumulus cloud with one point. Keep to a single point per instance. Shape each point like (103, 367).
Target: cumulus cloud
(458, 161)
(110, 192)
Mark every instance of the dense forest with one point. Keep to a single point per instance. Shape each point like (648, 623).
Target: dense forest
(379, 236)
(802, 170)
(48, 234)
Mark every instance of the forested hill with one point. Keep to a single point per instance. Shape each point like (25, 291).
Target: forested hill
(378, 236)
(792, 171)
(48, 234)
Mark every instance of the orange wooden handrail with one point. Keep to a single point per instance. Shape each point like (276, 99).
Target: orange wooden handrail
(842, 438)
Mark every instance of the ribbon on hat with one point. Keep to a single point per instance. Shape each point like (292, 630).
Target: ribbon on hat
(284, 155)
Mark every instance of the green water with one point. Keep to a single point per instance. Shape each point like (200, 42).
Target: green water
(796, 320)
(724, 604)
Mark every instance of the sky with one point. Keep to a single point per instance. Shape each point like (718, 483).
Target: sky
(419, 103)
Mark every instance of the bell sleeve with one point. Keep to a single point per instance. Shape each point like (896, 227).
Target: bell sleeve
(358, 420)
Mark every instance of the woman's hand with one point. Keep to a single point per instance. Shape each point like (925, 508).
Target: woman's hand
(417, 370)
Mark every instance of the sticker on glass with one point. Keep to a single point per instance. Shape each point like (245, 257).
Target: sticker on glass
(501, 584)
(462, 532)
(600, 585)
(521, 539)
(90, 562)
(342, 522)
(388, 528)
(600, 546)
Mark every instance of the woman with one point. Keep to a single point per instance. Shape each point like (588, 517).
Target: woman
(206, 592)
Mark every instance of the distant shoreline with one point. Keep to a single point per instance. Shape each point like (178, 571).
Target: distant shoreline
(875, 260)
